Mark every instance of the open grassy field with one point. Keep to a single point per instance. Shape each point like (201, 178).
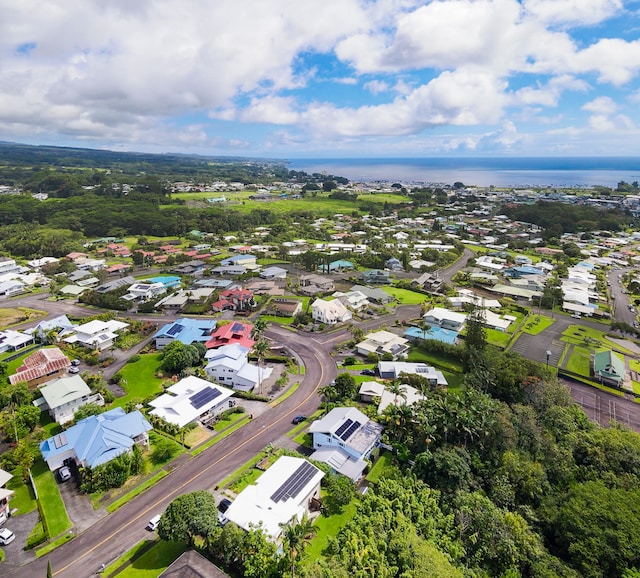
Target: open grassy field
(579, 360)
(537, 324)
(498, 338)
(439, 361)
(328, 527)
(588, 337)
(139, 379)
(11, 315)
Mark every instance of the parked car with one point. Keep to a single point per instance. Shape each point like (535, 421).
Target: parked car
(64, 473)
(75, 362)
(223, 506)
(6, 536)
(153, 523)
(298, 419)
(367, 372)
(74, 369)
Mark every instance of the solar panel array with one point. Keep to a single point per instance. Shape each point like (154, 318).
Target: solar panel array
(237, 327)
(350, 430)
(60, 440)
(295, 483)
(177, 328)
(203, 397)
(343, 427)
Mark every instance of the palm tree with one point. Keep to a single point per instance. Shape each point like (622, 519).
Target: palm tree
(260, 348)
(259, 326)
(395, 387)
(295, 537)
(326, 392)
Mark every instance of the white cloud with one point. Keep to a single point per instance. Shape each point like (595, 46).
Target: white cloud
(601, 105)
(376, 86)
(572, 11)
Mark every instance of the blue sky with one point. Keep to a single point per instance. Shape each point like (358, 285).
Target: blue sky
(324, 78)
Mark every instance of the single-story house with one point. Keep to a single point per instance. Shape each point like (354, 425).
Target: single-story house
(445, 318)
(190, 399)
(315, 284)
(383, 342)
(97, 439)
(97, 334)
(191, 564)
(63, 397)
(186, 331)
(370, 389)
(273, 273)
(354, 300)
(41, 366)
(376, 277)
(286, 307)
(394, 369)
(281, 494)
(375, 295)
(608, 368)
(247, 261)
(11, 340)
(345, 438)
(329, 312)
(115, 284)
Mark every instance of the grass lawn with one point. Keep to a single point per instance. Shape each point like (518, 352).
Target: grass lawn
(152, 561)
(537, 324)
(579, 361)
(454, 380)
(498, 338)
(276, 319)
(328, 527)
(139, 379)
(23, 499)
(592, 338)
(383, 466)
(51, 503)
(404, 296)
(438, 360)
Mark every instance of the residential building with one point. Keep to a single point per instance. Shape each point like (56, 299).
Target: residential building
(274, 273)
(315, 284)
(408, 396)
(229, 333)
(235, 299)
(63, 397)
(354, 300)
(5, 496)
(41, 366)
(281, 494)
(445, 318)
(394, 369)
(376, 277)
(191, 564)
(11, 340)
(189, 400)
(264, 287)
(97, 439)
(97, 334)
(247, 261)
(114, 284)
(431, 282)
(329, 312)
(344, 439)
(373, 294)
(608, 368)
(186, 331)
(195, 267)
(383, 343)
(370, 390)
(393, 264)
(286, 307)
(229, 365)
(144, 291)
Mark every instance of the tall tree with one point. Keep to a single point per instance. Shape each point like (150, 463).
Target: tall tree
(295, 537)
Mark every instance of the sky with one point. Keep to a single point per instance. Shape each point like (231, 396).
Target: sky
(324, 78)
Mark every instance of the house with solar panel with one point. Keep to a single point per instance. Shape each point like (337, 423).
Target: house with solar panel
(97, 439)
(344, 439)
(186, 331)
(230, 333)
(189, 400)
(285, 491)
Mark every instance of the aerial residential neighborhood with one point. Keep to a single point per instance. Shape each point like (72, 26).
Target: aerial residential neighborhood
(273, 377)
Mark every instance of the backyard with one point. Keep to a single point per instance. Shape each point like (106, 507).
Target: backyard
(139, 379)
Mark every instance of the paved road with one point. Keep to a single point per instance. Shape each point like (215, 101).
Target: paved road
(620, 300)
(104, 542)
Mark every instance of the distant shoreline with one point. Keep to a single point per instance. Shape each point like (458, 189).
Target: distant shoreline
(519, 172)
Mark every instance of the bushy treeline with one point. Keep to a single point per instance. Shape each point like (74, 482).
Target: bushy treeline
(567, 218)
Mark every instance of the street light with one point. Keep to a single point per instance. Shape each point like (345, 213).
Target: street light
(548, 356)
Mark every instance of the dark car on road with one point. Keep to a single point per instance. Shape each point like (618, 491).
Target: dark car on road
(298, 419)
(368, 372)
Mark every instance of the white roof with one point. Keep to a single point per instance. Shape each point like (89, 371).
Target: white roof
(371, 388)
(260, 503)
(97, 326)
(180, 406)
(441, 314)
(340, 461)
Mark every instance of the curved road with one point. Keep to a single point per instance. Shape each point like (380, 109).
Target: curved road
(115, 534)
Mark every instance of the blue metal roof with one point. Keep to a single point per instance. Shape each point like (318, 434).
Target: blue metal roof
(188, 330)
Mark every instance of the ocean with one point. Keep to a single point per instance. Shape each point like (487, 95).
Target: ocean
(519, 172)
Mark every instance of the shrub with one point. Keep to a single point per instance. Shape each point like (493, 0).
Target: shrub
(135, 357)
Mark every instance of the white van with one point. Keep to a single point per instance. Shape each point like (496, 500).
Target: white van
(153, 523)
